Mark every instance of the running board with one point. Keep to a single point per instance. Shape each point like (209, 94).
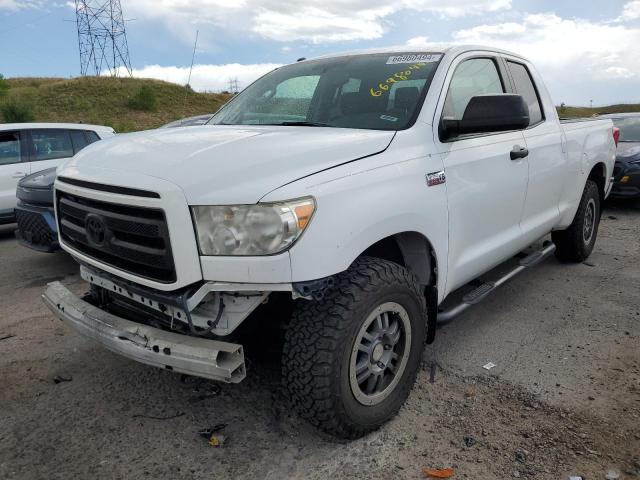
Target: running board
(481, 292)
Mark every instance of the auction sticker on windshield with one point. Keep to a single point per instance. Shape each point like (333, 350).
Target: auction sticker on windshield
(414, 57)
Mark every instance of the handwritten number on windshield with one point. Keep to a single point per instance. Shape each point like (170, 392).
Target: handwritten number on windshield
(396, 77)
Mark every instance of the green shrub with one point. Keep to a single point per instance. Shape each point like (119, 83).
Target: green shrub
(4, 86)
(144, 99)
(17, 112)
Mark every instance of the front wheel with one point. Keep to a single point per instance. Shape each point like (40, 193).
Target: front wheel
(576, 243)
(350, 360)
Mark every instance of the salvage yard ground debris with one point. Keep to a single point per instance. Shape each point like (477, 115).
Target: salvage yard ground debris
(564, 398)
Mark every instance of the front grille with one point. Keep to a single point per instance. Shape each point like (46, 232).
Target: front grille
(132, 239)
(34, 229)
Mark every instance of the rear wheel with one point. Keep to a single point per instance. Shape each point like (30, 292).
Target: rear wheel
(576, 243)
(351, 359)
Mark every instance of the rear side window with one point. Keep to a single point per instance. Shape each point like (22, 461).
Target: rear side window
(476, 76)
(51, 144)
(92, 136)
(79, 140)
(10, 148)
(525, 87)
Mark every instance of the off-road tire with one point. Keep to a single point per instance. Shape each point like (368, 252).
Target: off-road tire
(320, 338)
(570, 243)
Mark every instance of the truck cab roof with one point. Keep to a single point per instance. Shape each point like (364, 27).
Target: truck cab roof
(446, 49)
(41, 125)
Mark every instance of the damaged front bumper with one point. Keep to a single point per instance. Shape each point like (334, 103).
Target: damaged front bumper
(199, 357)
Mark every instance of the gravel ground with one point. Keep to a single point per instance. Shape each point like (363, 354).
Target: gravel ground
(563, 399)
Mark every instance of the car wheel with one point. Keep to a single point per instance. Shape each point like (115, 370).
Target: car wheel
(576, 243)
(350, 360)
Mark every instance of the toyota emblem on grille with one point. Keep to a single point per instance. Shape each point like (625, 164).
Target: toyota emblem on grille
(96, 229)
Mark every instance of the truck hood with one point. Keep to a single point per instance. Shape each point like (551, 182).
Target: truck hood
(628, 151)
(220, 164)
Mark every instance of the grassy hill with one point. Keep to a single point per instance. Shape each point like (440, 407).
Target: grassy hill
(570, 112)
(106, 101)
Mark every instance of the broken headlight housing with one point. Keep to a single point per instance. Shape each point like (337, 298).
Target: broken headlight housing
(261, 229)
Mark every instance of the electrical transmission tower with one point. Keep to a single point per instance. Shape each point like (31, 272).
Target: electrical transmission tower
(102, 39)
(233, 85)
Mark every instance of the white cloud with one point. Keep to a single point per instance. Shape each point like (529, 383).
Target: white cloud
(312, 21)
(630, 11)
(576, 57)
(314, 25)
(458, 8)
(15, 5)
(205, 77)
(558, 45)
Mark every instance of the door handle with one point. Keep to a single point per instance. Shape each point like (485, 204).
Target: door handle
(19, 175)
(519, 152)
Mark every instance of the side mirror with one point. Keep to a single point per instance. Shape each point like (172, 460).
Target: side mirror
(489, 113)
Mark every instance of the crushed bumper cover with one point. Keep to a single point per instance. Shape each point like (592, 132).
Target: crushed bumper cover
(199, 357)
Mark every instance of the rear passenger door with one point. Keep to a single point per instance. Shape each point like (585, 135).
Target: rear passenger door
(14, 164)
(49, 148)
(485, 189)
(547, 162)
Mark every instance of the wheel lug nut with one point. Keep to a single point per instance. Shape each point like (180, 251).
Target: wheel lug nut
(387, 347)
(380, 364)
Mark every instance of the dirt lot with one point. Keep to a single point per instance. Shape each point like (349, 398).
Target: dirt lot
(563, 399)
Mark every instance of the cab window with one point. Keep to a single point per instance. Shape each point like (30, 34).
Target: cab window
(525, 87)
(92, 136)
(79, 139)
(10, 148)
(476, 76)
(51, 144)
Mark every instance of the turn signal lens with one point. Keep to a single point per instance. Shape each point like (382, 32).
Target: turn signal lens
(303, 214)
(624, 179)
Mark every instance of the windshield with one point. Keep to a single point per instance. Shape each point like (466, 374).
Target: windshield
(376, 91)
(629, 128)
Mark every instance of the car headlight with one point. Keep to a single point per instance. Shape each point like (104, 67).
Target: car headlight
(261, 229)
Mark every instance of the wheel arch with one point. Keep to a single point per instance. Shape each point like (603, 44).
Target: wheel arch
(410, 249)
(598, 174)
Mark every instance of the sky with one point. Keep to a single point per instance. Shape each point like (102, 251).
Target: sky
(586, 50)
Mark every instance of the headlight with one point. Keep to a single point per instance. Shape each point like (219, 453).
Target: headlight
(261, 229)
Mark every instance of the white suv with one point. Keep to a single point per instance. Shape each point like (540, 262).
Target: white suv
(26, 148)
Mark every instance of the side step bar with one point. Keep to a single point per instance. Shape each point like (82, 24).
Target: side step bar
(481, 292)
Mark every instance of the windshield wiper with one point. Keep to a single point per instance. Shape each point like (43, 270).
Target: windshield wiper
(304, 124)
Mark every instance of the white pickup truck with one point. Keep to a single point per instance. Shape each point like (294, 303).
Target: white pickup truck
(357, 191)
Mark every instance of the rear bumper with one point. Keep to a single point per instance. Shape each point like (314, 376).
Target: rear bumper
(199, 357)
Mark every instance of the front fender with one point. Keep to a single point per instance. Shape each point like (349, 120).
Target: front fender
(361, 203)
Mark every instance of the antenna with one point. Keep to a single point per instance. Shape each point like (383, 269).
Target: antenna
(102, 39)
(188, 85)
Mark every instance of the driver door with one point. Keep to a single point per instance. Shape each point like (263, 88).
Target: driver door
(486, 189)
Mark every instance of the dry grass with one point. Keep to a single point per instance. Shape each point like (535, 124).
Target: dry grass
(572, 112)
(105, 101)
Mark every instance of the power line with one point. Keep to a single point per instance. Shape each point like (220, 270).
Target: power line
(102, 39)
